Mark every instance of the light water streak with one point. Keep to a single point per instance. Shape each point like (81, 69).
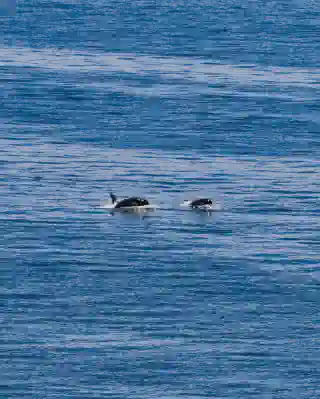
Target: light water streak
(197, 70)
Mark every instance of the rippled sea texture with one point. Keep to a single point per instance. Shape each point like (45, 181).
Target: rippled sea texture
(168, 100)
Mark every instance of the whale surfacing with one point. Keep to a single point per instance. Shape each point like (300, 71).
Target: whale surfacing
(203, 204)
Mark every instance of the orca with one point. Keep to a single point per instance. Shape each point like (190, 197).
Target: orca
(131, 202)
(205, 204)
(201, 203)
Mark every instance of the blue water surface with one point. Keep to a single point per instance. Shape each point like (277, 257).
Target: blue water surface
(170, 100)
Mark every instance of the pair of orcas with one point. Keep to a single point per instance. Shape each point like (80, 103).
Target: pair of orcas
(140, 203)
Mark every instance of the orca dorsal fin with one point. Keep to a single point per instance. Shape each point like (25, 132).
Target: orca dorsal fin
(113, 198)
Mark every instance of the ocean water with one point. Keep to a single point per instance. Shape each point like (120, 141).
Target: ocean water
(170, 100)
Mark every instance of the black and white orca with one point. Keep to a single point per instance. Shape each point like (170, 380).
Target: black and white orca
(205, 204)
(201, 203)
(131, 202)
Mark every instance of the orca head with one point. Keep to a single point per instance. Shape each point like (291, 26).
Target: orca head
(142, 202)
